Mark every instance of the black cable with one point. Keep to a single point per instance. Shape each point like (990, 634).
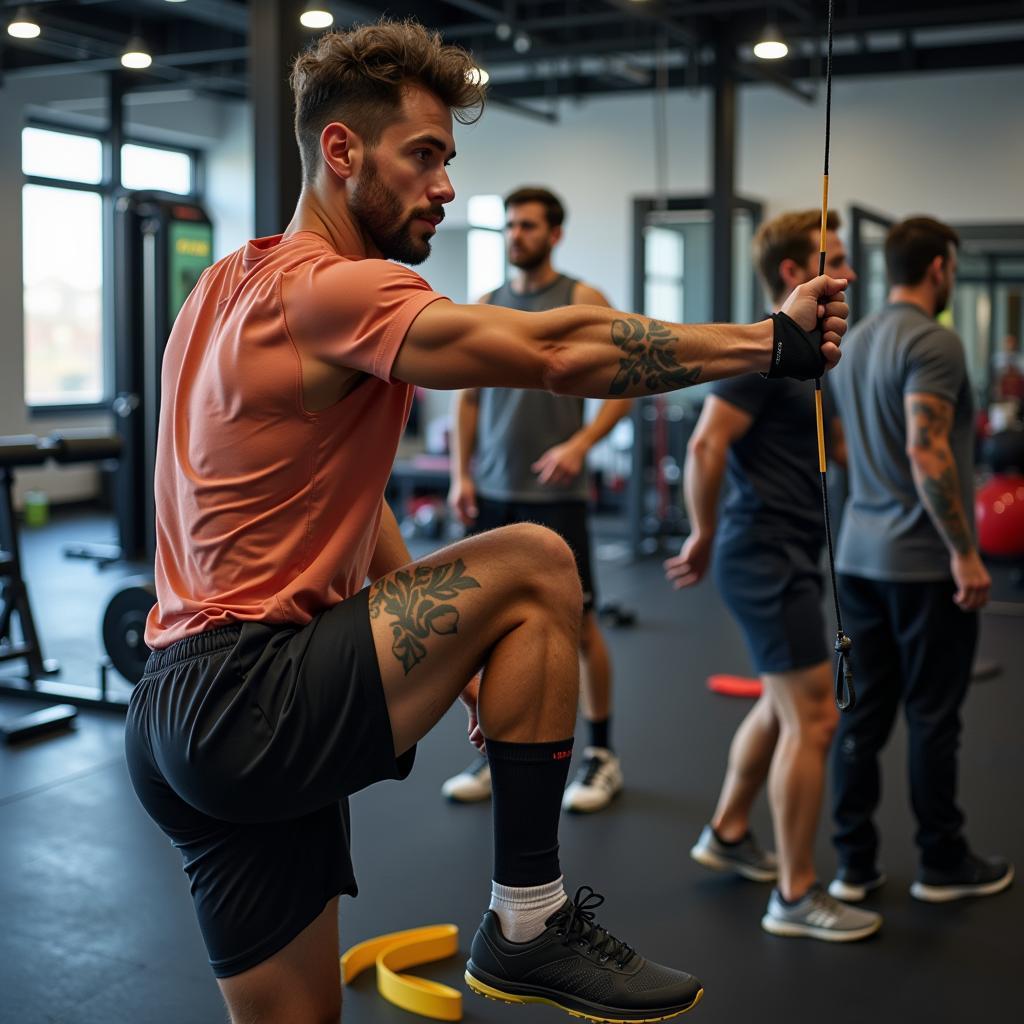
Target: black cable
(845, 694)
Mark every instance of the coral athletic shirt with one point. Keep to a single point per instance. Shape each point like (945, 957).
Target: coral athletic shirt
(266, 511)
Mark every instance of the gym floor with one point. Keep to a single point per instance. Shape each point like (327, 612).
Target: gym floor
(96, 924)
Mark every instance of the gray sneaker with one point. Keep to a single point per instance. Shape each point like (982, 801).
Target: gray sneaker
(819, 916)
(745, 858)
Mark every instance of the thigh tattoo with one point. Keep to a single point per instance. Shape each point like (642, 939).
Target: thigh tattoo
(419, 603)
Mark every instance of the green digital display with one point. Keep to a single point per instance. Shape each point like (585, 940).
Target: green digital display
(191, 252)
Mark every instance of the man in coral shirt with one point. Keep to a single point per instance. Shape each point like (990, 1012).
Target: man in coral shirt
(278, 685)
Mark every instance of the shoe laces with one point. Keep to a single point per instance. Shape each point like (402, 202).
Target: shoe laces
(592, 767)
(575, 923)
(821, 900)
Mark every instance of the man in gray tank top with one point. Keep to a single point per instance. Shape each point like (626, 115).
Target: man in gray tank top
(530, 452)
(911, 580)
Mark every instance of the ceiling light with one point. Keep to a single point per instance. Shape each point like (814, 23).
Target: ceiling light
(477, 76)
(522, 42)
(23, 25)
(503, 30)
(316, 16)
(136, 55)
(770, 46)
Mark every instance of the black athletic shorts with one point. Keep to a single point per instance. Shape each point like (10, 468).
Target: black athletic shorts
(567, 518)
(243, 745)
(774, 591)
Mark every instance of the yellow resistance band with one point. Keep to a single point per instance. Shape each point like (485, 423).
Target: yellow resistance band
(399, 950)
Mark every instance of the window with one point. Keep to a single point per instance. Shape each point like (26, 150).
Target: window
(486, 242)
(146, 167)
(63, 236)
(47, 154)
(62, 250)
(663, 282)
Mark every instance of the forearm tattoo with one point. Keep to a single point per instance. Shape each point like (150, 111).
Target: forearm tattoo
(419, 604)
(943, 496)
(929, 422)
(649, 358)
(940, 490)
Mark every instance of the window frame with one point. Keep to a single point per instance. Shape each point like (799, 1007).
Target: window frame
(108, 192)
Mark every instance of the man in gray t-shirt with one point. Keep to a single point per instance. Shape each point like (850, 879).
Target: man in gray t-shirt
(519, 456)
(911, 579)
(888, 531)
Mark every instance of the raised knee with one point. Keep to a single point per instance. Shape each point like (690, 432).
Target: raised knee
(550, 568)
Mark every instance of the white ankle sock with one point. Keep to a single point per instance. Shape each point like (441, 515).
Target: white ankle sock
(523, 911)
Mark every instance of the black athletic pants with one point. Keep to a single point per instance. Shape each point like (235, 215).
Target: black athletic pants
(911, 643)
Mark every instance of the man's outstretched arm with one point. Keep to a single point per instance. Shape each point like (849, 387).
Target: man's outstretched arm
(596, 352)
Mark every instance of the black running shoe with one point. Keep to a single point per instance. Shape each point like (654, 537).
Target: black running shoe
(577, 966)
(974, 876)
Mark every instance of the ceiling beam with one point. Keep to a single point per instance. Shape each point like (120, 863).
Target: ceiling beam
(923, 16)
(853, 64)
(471, 29)
(221, 13)
(496, 99)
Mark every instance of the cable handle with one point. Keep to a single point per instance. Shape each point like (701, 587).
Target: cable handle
(846, 694)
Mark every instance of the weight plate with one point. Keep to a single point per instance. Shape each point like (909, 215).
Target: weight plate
(124, 627)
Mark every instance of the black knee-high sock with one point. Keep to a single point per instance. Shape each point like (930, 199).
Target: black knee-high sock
(527, 780)
(601, 733)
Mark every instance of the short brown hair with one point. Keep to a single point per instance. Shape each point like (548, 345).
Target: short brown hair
(911, 246)
(787, 237)
(554, 210)
(357, 78)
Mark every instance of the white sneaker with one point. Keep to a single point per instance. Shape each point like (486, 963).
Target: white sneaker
(471, 784)
(852, 886)
(597, 782)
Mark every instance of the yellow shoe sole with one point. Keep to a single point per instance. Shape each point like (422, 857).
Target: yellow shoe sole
(497, 995)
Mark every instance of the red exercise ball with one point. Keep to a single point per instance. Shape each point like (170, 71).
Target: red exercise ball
(999, 510)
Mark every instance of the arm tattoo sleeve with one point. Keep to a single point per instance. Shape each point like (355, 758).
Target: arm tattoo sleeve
(943, 497)
(419, 603)
(929, 421)
(938, 481)
(648, 357)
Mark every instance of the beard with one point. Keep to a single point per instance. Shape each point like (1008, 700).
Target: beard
(942, 300)
(379, 213)
(526, 260)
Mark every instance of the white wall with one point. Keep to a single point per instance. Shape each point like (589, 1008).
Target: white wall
(229, 198)
(949, 145)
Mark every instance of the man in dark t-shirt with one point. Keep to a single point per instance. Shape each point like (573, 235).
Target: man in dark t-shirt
(761, 435)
